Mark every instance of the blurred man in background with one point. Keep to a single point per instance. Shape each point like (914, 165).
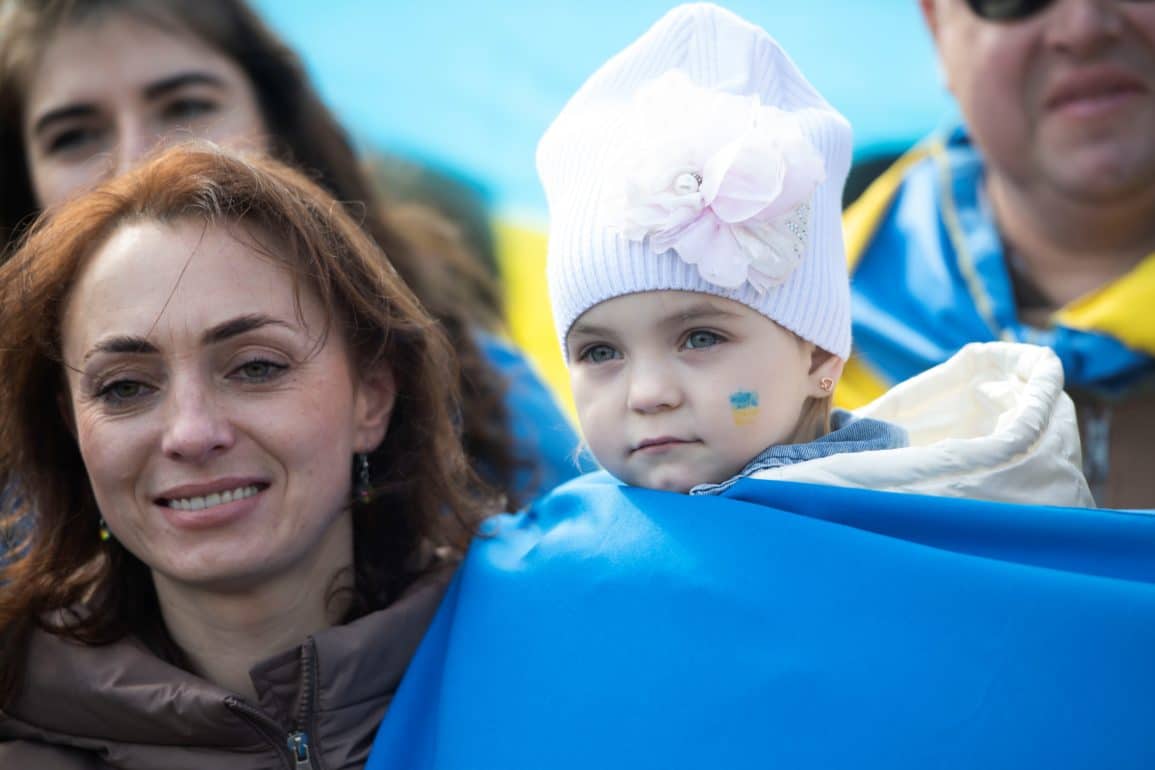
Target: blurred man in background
(1034, 222)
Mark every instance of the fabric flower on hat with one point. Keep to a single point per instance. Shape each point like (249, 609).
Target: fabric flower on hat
(720, 179)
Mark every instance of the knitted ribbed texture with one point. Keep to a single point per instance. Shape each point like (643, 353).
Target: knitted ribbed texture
(578, 160)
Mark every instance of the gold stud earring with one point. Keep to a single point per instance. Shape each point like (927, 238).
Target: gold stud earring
(826, 384)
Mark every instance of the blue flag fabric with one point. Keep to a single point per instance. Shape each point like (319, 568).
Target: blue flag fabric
(788, 625)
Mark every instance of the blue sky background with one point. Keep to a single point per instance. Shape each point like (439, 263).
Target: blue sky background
(470, 86)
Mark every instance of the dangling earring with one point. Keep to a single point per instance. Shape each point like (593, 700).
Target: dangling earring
(105, 535)
(364, 486)
(826, 384)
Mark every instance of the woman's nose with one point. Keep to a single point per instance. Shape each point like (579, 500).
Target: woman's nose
(134, 144)
(653, 388)
(197, 428)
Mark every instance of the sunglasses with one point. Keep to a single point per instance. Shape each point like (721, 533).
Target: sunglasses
(1013, 10)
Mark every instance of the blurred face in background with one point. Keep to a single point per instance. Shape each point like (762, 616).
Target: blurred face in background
(1061, 102)
(109, 89)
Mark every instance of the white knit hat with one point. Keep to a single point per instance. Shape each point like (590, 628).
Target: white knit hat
(700, 159)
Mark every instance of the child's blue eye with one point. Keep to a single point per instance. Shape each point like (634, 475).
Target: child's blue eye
(702, 339)
(599, 354)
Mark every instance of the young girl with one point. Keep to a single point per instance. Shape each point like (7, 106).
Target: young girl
(699, 286)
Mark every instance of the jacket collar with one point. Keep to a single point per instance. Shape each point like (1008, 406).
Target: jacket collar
(120, 696)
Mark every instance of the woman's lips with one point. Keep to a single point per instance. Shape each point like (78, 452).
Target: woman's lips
(205, 488)
(202, 506)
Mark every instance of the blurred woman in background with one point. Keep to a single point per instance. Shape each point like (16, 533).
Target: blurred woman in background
(88, 88)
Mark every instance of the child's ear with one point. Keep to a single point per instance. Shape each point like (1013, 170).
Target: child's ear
(825, 369)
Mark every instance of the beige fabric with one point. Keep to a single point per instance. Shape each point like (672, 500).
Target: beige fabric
(992, 423)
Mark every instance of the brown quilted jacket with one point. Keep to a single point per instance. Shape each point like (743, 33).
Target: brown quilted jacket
(120, 706)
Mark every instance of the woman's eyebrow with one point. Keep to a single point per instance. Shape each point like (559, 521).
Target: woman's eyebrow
(233, 327)
(152, 91)
(163, 86)
(61, 114)
(122, 344)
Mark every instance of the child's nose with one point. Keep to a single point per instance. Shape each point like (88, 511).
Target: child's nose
(652, 389)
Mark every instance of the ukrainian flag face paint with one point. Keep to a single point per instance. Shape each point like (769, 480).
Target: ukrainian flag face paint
(744, 407)
(675, 389)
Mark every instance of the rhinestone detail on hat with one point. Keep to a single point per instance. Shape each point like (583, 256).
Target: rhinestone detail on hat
(797, 223)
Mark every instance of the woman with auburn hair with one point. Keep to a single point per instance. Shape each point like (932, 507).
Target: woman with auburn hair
(237, 429)
(88, 88)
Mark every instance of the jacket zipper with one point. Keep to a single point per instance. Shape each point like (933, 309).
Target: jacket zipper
(268, 728)
(306, 708)
(298, 744)
(294, 746)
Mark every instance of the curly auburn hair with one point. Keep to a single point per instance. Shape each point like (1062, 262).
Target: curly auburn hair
(427, 495)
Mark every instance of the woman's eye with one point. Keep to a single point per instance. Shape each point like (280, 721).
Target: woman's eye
(71, 139)
(121, 392)
(259, 371)
(599, 354)
(187, 109)
(702, 339)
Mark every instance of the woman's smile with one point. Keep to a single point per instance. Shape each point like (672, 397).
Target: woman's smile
(196, 507)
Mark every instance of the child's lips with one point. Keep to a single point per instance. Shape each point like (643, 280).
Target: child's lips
(660, 444)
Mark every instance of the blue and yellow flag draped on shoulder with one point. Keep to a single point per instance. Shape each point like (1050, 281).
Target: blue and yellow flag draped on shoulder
(929, 274)
(787, 625)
